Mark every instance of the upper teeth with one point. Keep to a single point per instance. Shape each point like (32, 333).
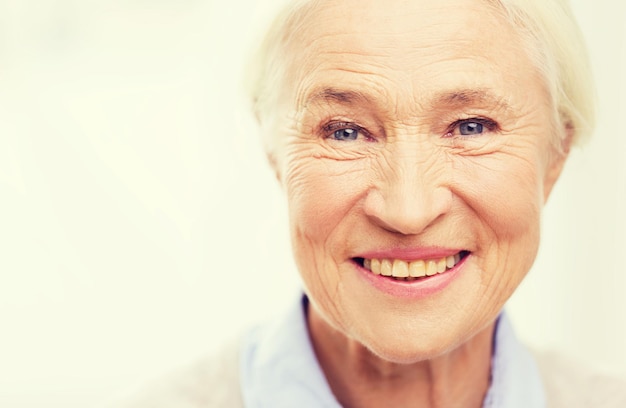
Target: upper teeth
(414, 269)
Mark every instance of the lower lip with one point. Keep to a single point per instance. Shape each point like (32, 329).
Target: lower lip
(417, 289)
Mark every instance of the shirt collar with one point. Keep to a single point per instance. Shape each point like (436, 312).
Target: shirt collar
(515, 378)
(278, 368)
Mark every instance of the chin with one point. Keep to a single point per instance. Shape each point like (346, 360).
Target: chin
(403, 341)
(410, 352)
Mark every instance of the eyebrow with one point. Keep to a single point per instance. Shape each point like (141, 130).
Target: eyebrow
(470, 97)
(454, 99)
(346, 97)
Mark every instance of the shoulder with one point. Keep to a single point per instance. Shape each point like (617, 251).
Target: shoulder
(212, 382)
(570, 384)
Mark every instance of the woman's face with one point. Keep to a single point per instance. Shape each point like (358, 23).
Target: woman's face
(417, 143)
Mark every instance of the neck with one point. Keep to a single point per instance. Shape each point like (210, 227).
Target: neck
(359, 378)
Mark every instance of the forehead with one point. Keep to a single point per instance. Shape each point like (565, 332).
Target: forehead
(407, 48)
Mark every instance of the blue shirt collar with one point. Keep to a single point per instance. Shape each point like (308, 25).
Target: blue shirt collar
(515, 378)
(278, 368)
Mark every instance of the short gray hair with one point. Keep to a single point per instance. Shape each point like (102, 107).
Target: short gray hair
(548, 27)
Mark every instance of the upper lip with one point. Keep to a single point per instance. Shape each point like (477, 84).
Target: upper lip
(410, 254)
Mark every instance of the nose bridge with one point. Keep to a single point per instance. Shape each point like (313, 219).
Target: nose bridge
(410, 193)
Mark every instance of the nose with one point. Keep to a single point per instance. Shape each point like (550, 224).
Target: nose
(409, 195)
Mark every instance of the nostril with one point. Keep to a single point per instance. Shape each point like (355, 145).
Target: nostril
(407, 210)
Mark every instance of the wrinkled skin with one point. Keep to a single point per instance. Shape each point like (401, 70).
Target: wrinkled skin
(404, 75)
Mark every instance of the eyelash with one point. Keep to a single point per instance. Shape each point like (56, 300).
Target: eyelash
(330, 128)
(489, 124)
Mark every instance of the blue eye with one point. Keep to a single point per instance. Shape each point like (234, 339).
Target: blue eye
(470, 128)
(346, 134)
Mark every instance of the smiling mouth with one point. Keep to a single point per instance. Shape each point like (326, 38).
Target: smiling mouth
(401, 270)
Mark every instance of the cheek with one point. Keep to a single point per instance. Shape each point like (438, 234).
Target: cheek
(320, 191)
(321, 194)
(505, 188)
(317, 201)
(505, 195)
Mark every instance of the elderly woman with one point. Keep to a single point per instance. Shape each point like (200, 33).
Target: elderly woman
(417, 142)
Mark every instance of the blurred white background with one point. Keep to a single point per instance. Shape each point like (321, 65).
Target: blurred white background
(140, 226)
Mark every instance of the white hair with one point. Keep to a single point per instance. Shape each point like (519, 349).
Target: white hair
(548, 27)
